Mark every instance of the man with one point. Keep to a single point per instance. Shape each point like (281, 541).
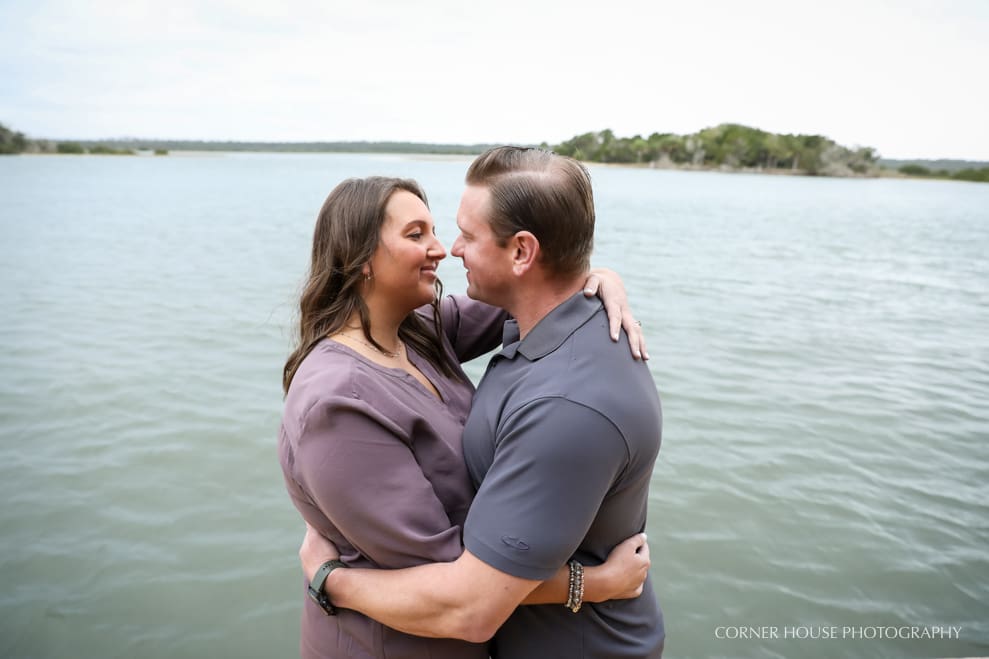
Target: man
(560, 441)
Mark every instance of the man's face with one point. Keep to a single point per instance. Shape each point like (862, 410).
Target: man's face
(489, 266)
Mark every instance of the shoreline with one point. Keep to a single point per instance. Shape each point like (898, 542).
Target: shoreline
(765, 171)
(880, 173)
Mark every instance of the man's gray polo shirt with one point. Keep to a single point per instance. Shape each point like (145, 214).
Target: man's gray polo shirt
(561, 441)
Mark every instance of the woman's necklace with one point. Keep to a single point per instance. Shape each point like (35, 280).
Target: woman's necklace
(390, 355)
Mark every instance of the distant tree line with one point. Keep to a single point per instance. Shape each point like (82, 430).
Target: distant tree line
(290, 147)
(94, 149)
(727, 146)
(12, 142)
(977, 174)
(939, 165)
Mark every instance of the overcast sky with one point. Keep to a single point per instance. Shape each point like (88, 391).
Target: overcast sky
(903, 76)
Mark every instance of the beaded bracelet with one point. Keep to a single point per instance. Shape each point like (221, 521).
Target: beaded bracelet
(576, 595)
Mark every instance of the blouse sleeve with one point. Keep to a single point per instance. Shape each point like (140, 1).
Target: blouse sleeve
(472, 327)
(364, 477)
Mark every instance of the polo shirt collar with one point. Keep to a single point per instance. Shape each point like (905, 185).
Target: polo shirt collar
(550, 332)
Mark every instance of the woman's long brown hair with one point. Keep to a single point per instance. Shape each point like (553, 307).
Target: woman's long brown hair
(346, 235)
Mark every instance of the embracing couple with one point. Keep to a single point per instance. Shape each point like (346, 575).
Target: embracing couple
(448, 523)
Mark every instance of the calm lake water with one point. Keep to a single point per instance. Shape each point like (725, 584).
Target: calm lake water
(821, 347)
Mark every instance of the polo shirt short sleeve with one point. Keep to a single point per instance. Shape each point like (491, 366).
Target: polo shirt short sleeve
(556, 461)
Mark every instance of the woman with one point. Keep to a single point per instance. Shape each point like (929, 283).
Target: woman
(375, 405)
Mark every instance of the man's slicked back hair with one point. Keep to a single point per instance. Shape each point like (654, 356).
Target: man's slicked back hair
(544, 193)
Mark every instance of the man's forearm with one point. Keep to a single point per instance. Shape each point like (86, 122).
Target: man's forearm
(552, 591)
(465, 599)
(599, 586)
(401, 599)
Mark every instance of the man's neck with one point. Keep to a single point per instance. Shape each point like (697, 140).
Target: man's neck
(535, 299)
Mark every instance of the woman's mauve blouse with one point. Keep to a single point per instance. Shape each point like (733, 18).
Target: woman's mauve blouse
(374, 461)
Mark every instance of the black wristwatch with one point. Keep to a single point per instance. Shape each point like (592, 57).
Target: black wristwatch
(316, 587)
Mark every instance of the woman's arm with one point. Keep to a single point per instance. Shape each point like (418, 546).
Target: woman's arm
(473, 328)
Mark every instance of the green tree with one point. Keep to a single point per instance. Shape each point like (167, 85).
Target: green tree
(669, 146)
(731, 145)
(977, 175)
(103, 150)
(11, 141)
(915, 170)
(581, 147)
(70, 147)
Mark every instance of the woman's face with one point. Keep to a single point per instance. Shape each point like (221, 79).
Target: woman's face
(403, 267)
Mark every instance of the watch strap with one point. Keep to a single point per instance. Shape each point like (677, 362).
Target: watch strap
(316, 586)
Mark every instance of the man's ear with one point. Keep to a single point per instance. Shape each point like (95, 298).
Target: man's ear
(525, 252)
